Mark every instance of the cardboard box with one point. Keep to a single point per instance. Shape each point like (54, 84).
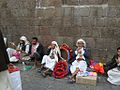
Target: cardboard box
(88, 80)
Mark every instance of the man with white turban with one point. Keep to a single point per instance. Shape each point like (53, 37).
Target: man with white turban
(51, 58)
(22, 47)
(81, 50)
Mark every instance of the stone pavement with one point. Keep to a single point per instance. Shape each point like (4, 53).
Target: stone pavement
(31, 80)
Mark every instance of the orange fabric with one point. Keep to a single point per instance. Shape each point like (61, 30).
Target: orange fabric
(99, 68)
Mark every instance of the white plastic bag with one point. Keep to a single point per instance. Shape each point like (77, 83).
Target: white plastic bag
(16, 80)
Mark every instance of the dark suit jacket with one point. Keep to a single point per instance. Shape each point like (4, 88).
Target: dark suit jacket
(86, 55)
(40, 51)
(4, 60)
(111, 64)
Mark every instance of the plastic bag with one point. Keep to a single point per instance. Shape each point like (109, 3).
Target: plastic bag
(16, 80)
(15, 77)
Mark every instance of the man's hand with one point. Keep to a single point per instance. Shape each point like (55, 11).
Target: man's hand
(49, 46)
(79, 51)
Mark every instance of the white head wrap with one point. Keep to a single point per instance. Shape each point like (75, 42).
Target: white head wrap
(81, 40)
(56, 47)
(24, 39)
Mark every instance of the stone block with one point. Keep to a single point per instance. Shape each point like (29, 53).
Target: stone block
(70, 2)
(5, 30)
(99, 43)
(109, 43)
(112, 11)
(96, 32)
(54, 31)
(85, 21)
(117, 43)
(21, 8)
(39, 13)
(116, 33)
(34, 31)
(44, 30)
(69, 31)
(91, 2)
(3, 4)
(90, 42)
(77, 21)
(106, 32)
(46, 22)
(47, 3)
(68, 40)
(102, 11)
(101, 22)
(84, 2)
(45, 13)
(112, 22)
(33, 21)
(46, 39)
(118, 12)
(58, 12)
(68, 11)
(114, 2)
(92, 21)
(48, 13)
(100, 2)
(81, 11)
(57, 22)
(67, 21)
(94, 11)
(86, 32)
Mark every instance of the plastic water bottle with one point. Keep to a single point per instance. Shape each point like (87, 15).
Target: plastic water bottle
(24, 66)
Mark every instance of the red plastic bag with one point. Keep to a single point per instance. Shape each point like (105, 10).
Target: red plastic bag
(60, 70)
(12, 68)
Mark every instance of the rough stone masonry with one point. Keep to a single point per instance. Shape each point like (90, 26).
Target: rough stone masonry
(96, 21)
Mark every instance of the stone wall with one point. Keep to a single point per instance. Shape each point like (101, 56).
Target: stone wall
(96, 21)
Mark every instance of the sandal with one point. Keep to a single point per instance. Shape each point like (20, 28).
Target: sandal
(44, 75)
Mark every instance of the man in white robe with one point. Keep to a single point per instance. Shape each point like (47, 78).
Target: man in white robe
(114, 69)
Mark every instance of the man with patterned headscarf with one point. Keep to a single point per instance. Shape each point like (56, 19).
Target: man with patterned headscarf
(49, 60)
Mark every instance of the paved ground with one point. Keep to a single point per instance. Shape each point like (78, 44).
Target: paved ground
(31, 80)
